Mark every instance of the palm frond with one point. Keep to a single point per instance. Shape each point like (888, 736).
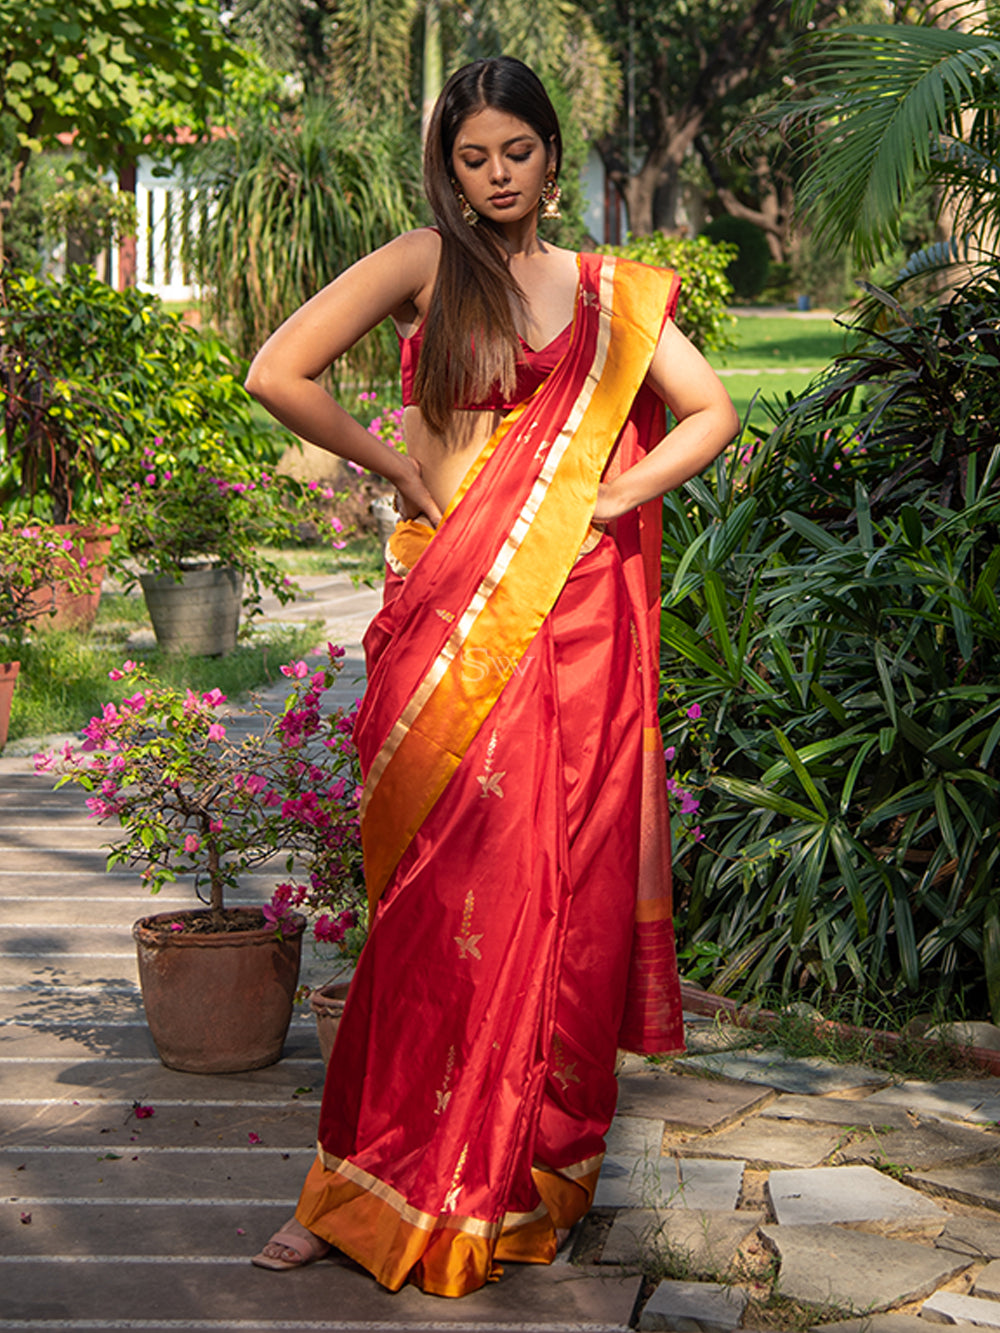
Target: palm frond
(888, 94)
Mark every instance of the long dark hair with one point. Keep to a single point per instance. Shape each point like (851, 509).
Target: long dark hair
(470, 342)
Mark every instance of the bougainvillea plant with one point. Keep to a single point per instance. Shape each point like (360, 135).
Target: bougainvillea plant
(33, 557)
(191, 799)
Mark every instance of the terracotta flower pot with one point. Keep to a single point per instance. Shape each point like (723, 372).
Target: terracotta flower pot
(327, 1005)
(79, 611)
(218, 1002)
(8, 675)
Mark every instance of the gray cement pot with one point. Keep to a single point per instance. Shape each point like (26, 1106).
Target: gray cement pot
(198, 614)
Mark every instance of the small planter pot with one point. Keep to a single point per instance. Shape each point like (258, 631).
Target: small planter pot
(79, 610)
(327, 1005)
(198, 614)
(8, 677)
(218, 1002)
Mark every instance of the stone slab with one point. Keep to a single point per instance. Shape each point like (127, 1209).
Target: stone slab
(235, 1228)
(709, 1184)
(857, 1196)
(768, 1145)
(694, 1307)
(192, 1126)
(987, 1283)
(635, 1136)
(978, 1184)
(808, 1076)
(686, 1104)
(837, 1111)
(637, 1182)
(952, 1307)
(875, 1323)
(703, 1038)
(663, 1182)
(115, 1081)
(560, 1296)
(702, 1242)
(135, 1172)
(850, 1270)
(978, 1237)
(975, 1100)
(932, 1143)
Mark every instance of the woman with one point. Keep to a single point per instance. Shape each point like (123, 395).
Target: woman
(513, 820)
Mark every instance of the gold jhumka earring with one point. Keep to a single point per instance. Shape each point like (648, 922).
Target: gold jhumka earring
(551, 194)
(468, 212)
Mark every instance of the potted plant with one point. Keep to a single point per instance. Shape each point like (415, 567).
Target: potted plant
(32, 555)
(88, 375)
(196, 523)
(218, 982)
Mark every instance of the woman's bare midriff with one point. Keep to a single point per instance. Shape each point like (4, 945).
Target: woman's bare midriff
(443, 464)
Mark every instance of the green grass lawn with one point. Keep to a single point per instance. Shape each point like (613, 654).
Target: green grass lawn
(776, 355)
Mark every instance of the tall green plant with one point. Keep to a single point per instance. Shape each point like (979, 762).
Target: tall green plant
(851, 804)
(898, 106)
(288, 202)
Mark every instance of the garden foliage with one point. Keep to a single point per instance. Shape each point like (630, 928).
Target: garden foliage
(831, 605)
(91, 375)
(706, 291)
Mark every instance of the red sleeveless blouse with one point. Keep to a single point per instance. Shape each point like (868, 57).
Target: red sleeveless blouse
(533, 368)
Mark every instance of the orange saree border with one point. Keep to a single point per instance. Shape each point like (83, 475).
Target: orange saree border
(573, 420)
(445, 1254)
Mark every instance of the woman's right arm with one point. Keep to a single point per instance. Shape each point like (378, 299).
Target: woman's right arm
(396, 280)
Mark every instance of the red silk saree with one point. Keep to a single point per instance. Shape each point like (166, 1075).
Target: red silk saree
(515, 835)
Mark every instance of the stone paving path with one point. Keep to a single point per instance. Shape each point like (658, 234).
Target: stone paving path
(723, 1168)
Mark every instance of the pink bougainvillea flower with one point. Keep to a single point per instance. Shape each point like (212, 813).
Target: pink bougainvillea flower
(214, 697)
(335, 650)
(177, 925)
(689, 804)
(216, 732)
(143, 1112)
(253, 1138)
(295, 670)
(694, 712)
(669, 752)
(191, 844)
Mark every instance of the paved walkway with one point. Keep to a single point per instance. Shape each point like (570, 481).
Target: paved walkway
(724, 1169)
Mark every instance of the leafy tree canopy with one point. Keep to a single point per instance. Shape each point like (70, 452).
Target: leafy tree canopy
(112, 72)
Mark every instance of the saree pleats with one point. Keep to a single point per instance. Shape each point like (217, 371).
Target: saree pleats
(506, 740)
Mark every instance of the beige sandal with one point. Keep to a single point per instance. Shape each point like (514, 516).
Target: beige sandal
(307, 1250)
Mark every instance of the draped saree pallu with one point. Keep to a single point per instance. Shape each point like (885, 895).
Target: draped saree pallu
(515, 835)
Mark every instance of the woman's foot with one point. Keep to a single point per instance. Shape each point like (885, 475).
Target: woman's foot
(291, 1247)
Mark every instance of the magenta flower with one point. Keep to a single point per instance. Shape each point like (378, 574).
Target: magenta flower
(143, 1112)
(191, 844)
(295, 670)
(216, 732)
(669, 752)
(694, 712)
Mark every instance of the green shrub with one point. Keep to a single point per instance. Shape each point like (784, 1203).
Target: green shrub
(705, 289)
(831, 607)
(91, 375)
(749, 270)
